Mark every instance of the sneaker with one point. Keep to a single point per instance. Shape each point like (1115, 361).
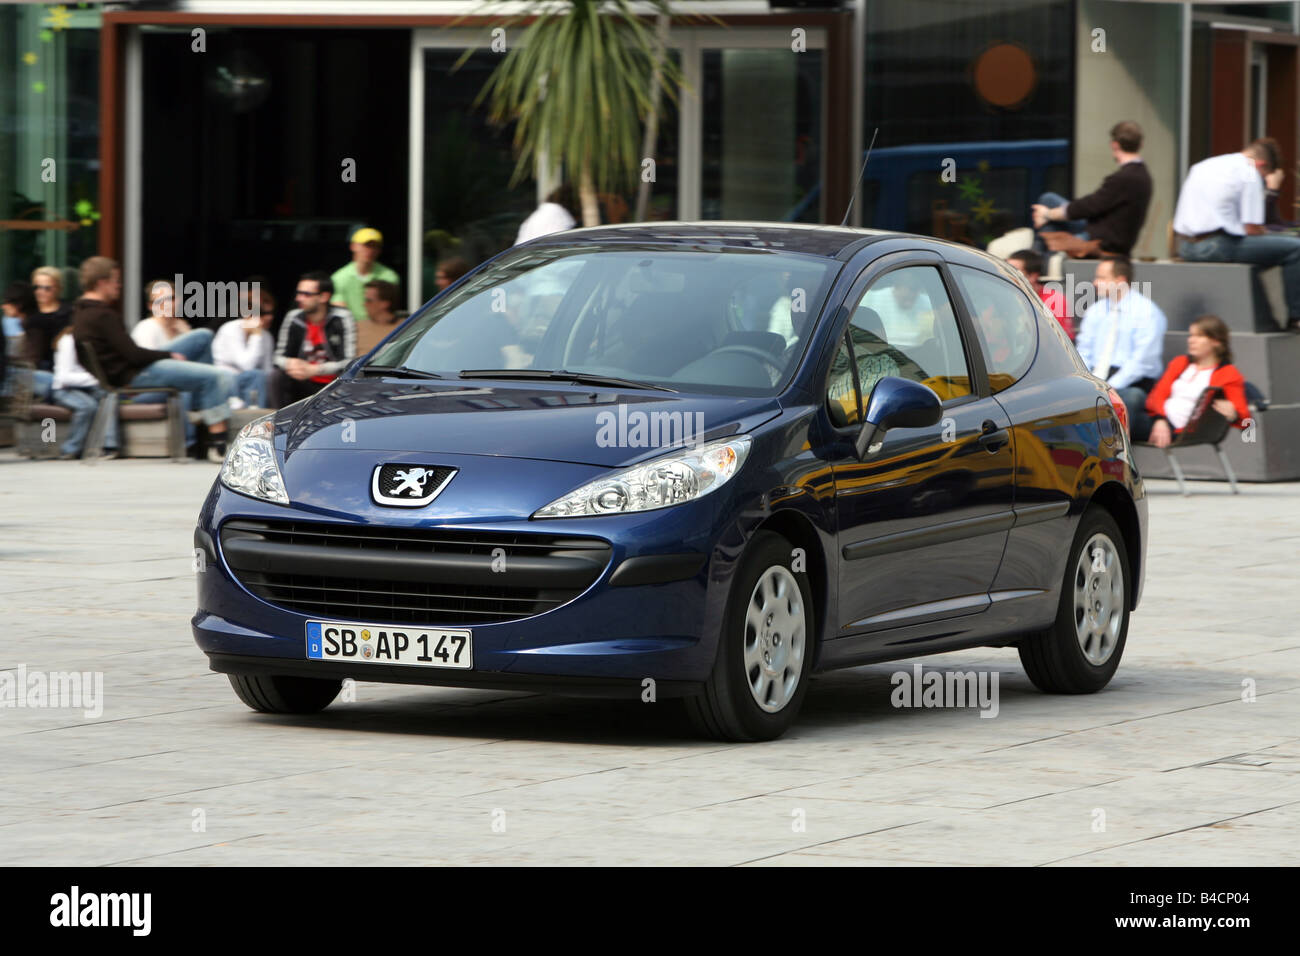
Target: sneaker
(217, 452)
(235, 403)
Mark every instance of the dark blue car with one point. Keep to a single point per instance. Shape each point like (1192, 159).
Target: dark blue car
(685, 461)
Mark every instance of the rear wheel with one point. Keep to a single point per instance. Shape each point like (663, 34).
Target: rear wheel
(272, 694)
(765, 650)
(1080, 652)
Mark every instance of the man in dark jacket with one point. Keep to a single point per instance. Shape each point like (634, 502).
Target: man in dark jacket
(316, 343)
(1115, 212)
(102, 341)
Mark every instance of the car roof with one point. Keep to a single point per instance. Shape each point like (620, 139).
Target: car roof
(807, 238)
(831, 242)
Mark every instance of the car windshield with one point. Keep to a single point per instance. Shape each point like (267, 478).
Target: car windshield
(714, 320)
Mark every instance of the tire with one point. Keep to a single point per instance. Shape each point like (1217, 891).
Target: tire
(1056, 660)
(272, 694)
(779, 663)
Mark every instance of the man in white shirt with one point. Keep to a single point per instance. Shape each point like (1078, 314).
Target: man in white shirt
(1122, 337)
(1220, 218)
(245, 348)
(553, 215)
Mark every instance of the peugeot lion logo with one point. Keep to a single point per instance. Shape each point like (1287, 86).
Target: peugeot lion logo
(409, 486)
(412, 482)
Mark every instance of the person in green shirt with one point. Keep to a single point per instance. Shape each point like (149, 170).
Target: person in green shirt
(350, 281)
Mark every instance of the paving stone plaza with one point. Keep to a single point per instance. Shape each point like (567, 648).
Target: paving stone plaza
(1190, 757)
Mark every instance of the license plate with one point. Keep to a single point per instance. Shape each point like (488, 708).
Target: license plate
(388, 644)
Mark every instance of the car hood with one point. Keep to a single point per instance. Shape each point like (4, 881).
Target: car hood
(555, 422)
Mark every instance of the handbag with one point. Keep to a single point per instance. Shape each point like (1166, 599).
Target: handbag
(1206, 426)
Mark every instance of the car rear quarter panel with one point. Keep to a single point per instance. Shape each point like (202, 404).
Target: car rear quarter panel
(1069, 452)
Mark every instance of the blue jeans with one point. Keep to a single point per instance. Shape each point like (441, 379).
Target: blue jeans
(250, 387)
(83, 403)
(207, 387)
(1264, 251)
(1078, 227)
(1139, 422)
(42, 386)
(195, 345)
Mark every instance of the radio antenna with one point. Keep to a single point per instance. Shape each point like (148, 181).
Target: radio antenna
(858, 184)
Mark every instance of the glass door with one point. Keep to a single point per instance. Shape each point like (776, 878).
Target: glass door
(744, 140)
(757, 124)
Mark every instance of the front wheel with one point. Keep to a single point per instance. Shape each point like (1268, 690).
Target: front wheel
(765, 649)
(1080, 652)
(273, 694)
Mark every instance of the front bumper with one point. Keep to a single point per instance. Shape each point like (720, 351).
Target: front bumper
(654, 611)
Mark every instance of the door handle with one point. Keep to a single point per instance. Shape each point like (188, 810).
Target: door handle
(992, 437)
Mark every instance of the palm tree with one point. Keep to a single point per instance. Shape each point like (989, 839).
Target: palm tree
(578, 84)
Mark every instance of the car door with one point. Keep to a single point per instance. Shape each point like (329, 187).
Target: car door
(923, 516)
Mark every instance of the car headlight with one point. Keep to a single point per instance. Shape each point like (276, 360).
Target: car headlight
(250, 467)
(671, 480)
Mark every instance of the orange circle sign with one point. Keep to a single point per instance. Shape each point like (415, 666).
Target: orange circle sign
(1005, 75)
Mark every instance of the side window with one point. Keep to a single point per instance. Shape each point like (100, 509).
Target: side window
(841, 393)
(1007, 326)
(905, 326)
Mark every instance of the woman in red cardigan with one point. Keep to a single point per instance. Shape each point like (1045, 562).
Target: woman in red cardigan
(1207, 364)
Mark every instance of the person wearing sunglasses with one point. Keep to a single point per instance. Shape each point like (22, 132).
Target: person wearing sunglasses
(42, 325)
(316, 342)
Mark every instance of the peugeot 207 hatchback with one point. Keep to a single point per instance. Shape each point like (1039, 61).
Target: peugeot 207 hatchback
(684, 461)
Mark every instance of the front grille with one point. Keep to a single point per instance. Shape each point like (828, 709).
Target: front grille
(409, 575)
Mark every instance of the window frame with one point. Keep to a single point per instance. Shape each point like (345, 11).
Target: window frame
(867, 278)
(1035, 309)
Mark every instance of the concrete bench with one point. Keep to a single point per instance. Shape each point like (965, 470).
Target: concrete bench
(143, 430)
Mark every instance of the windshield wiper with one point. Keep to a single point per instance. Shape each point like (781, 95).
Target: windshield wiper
(581, 378)
(398, 371)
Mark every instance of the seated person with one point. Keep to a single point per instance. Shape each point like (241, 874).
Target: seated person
(1030, 265)
(244, 348)
(1114, 213)
(1220, 217)
(382, 314)
(317, 341)
(50, 316)
(98, 330)
(1207, 364)
(79, 392)
(1121, 337)
(164, 331)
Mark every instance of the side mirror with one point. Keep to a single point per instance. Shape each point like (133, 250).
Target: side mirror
(897, 403)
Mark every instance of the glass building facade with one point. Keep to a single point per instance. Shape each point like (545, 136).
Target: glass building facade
(49, 136)
(974, 103)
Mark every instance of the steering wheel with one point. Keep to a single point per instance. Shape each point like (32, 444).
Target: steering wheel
(753, 351)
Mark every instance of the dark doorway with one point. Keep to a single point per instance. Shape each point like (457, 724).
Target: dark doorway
(245, 147)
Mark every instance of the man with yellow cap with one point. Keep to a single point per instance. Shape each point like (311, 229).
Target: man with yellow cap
(350, 281)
